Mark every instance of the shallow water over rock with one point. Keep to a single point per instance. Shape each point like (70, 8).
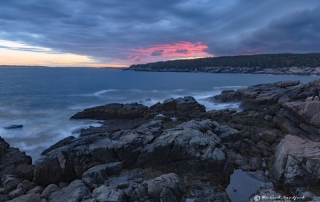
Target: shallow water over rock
(242, 185)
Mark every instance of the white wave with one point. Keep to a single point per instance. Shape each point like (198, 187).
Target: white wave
(101, 92)
(95, 94)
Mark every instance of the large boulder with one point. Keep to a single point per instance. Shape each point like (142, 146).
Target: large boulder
(75, 192)
(12, 161)
(190, 147)
(296, 163)
(113, 111)
(180, 107)
(228, 96)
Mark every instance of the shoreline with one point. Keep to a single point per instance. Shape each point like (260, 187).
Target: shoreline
(301, 71)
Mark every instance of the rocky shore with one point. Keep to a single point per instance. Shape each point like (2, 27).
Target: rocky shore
(241, 70)
(178, 151)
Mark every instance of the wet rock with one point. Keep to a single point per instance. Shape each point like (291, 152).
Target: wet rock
(228, 96)
(58, 172)
(296, 163)
(9, 183)
(169, 104)
(60, 143)
(13, 127)
(49, 190)
(97, 175)
(36, 190)
(190, 147)
(113, 111)
(200, 191)
(76, 191)
(27, 198)
(106, 194)
(14, 162)
(269, 136)
(15, 193)
(266, 193)
(26, 185)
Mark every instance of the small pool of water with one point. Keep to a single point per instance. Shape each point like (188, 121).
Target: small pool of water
(242, 185)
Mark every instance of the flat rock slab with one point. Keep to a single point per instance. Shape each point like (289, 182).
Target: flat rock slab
(296, 162)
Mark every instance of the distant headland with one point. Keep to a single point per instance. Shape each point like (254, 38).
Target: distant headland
(285, 63)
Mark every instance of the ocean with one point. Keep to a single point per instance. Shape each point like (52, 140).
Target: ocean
(44, 99)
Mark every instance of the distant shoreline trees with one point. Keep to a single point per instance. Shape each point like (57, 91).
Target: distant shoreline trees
(251, 61)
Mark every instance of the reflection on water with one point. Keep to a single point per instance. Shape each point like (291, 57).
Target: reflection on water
(242, 185)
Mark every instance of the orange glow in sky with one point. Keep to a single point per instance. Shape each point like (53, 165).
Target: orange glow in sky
(15, 53)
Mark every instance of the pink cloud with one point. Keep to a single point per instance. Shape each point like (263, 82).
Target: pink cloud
(156, 52)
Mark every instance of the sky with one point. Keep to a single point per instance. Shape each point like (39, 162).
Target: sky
(113, 33)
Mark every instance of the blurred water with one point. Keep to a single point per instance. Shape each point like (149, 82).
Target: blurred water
(43, 99)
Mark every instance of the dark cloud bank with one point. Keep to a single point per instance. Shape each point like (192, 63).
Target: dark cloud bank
(106, 30)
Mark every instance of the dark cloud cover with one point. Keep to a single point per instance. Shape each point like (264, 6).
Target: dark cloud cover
(108, 30)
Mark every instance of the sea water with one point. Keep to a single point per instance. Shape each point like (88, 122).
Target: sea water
(44, 99)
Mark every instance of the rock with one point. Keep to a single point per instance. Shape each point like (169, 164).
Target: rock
(265, 193)
(97, 175)
(9, 183)
(27, 198)
(269, 136)
(106, 194)
(15, 193)
(201, 191)
(58, 172)
(76, 191)
(296, 163)
(26, 185)
(113, 111)
(13, 127)
(166, 188)
(36, 190)
(188, 103)
(190, 147)
(24, 171)
(14, 162)
(60, 143)
(49, 190)
(228, 96)
(169, 104)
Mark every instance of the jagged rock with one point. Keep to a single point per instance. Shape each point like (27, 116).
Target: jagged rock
(15, 193)
(106, 194)
(228, 96)
(27, 198)
(269, 136)
(113, 111)
(49, 190)
(48, 170)
(14, 162)
(200, 191)
(266, 193)
(166, 187)
(60, 143)
(26, 185)
(191, 147)
(296, 162)
(36, 190)
(13, 127)
(9, 183)
(97, 175)
(76, 191)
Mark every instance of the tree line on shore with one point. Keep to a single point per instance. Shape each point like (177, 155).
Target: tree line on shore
(260, 60)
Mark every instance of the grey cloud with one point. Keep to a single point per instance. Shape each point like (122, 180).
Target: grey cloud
(182, 51)
(157, 53)
(105, 30)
